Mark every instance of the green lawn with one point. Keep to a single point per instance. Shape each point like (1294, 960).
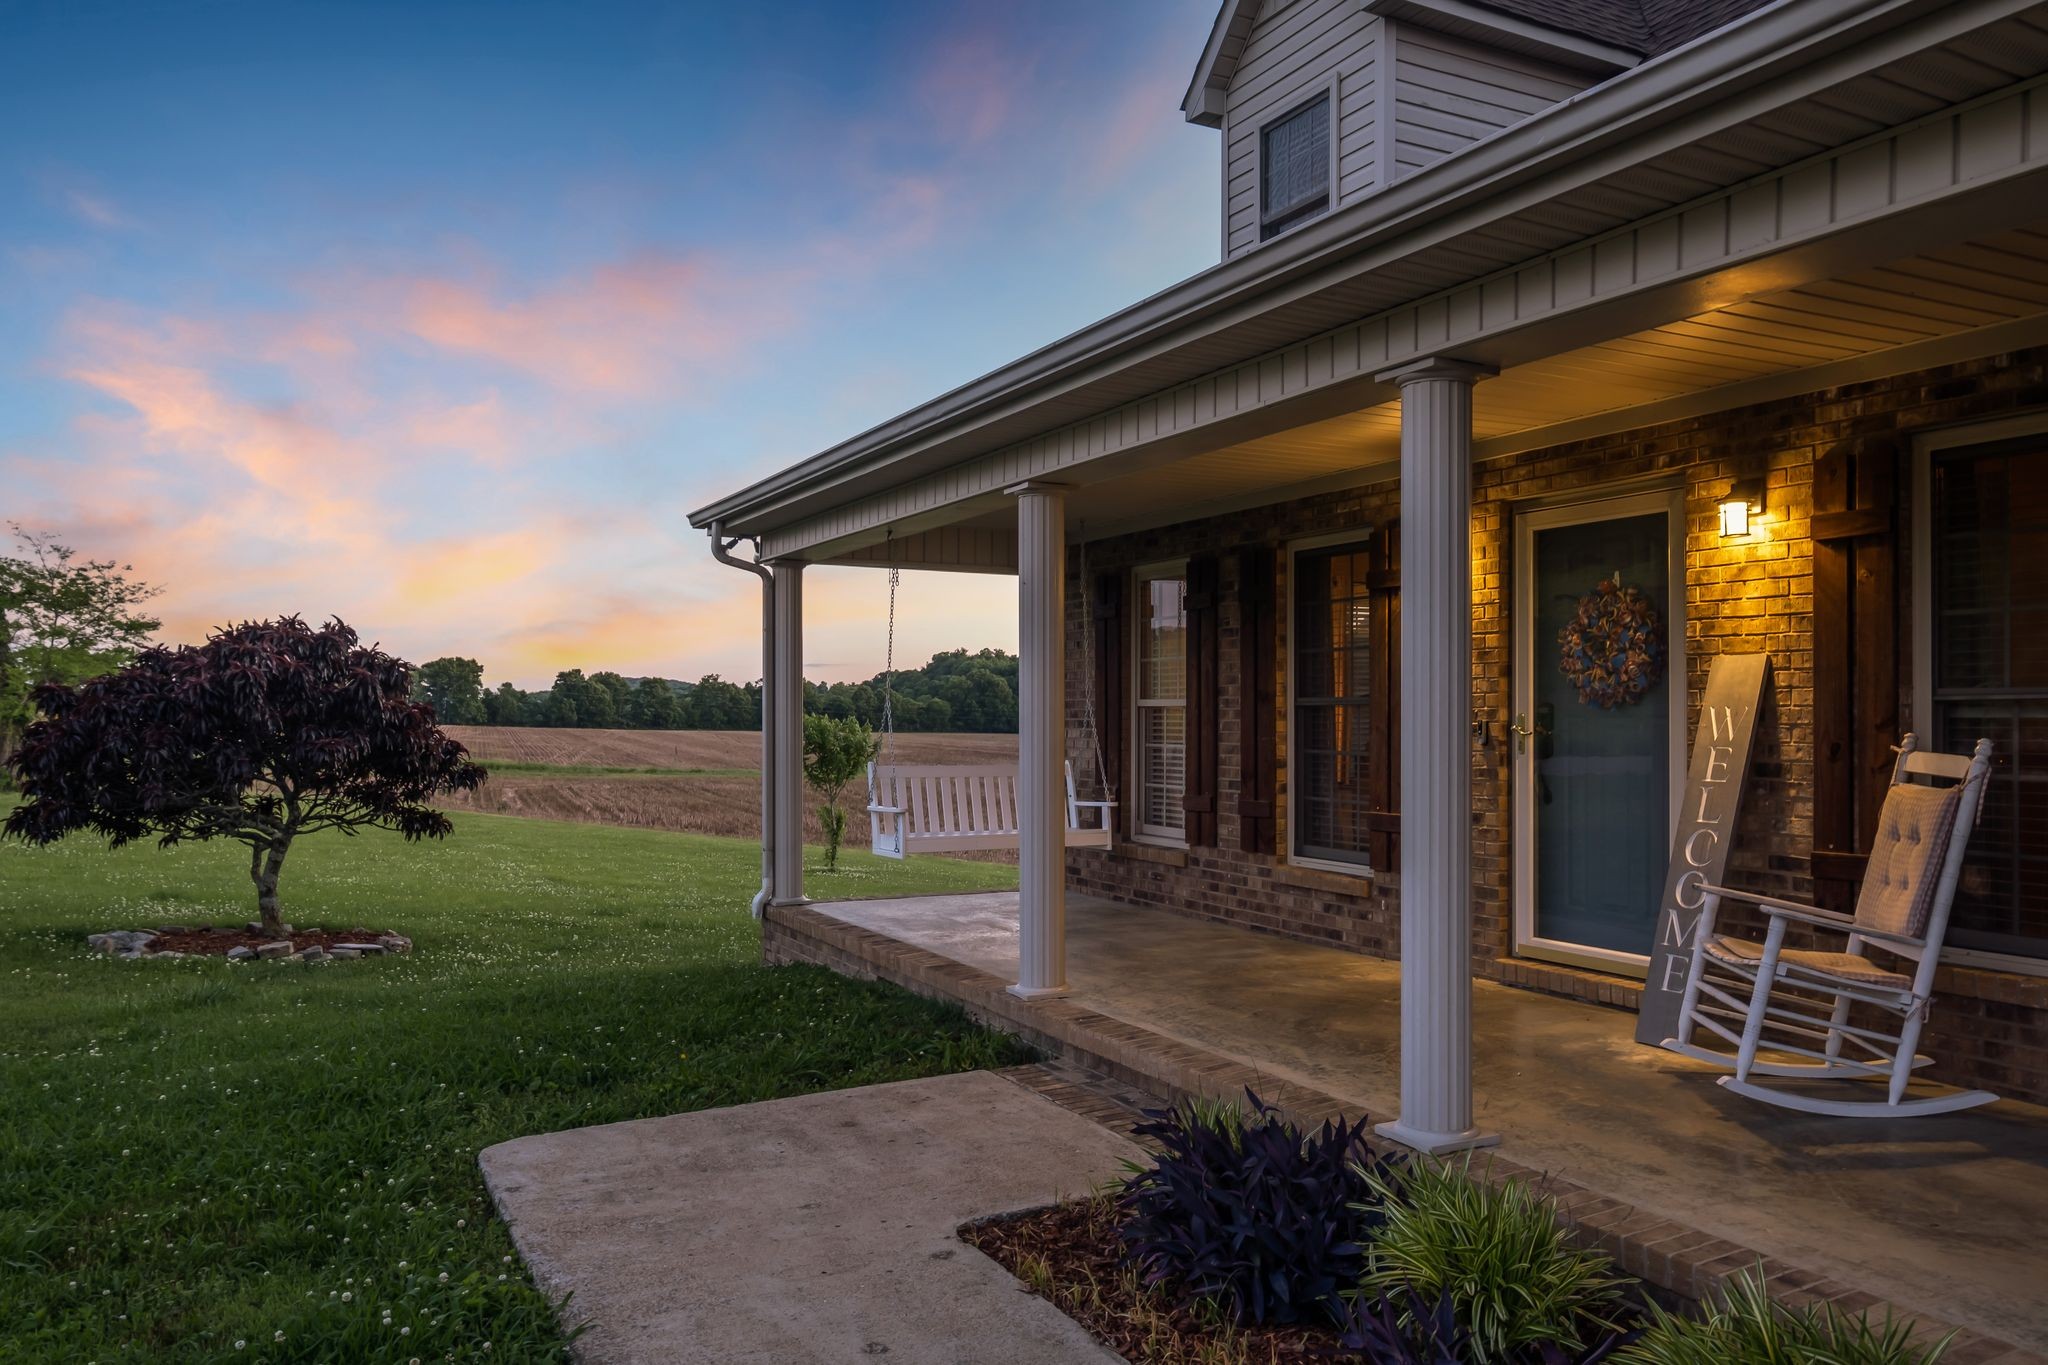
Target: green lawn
(204, 1161)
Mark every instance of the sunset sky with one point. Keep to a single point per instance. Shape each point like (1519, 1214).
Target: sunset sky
(440, 317)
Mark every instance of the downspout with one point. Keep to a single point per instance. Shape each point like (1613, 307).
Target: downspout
(721, 550)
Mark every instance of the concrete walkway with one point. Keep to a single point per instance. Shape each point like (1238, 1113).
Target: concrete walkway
(816, 1229)
(1946, 1215)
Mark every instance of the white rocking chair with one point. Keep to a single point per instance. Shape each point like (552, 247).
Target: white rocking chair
(949, 808)
(1767, 996)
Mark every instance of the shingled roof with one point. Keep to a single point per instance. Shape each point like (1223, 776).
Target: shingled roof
(1645, 27)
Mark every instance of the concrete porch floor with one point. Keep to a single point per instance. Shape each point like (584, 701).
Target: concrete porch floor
(1946, 1216)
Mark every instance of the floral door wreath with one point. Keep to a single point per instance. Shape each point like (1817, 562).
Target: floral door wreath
(1612, 650)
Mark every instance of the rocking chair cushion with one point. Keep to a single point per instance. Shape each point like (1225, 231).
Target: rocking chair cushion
(1906, 858)
(1842, 966)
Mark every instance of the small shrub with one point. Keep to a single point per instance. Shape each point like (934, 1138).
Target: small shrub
(1392, 1329)
(836, 752)
(1498, 1256)
(1246, 1210)
(1746, 1328)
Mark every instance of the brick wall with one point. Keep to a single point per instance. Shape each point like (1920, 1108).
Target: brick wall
(1990, 1028)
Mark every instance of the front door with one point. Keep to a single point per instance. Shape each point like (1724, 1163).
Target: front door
(1596, 740)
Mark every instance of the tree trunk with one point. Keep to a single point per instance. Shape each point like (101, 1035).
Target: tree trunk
(264, 862)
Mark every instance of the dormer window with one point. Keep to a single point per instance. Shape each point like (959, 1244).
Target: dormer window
(1294, 167)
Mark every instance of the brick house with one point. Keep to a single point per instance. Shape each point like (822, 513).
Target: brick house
(1734, 314)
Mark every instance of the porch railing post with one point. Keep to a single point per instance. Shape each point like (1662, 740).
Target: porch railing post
(1436, 756)
(782, 703)
(1041, 740)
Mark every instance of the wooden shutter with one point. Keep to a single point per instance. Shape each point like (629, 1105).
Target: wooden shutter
(1258, 719)
(1112, 706)
(1855, 656)
(1204, 607)
(1383, 774)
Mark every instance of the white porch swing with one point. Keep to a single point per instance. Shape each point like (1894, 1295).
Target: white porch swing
(954, 808)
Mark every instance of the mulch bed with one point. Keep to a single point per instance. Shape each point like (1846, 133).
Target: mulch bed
(218, 940)
(1069, 1254)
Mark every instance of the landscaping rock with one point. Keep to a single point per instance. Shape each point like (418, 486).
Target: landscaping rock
(279, 948)
(123, 942)
(313, 954)
(345, 953)
(396, 943)
(240, 953)
(366, 949)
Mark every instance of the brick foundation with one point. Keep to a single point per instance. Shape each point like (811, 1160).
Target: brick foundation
(1989, 1028)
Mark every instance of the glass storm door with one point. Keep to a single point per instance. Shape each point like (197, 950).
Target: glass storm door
(1596, 739)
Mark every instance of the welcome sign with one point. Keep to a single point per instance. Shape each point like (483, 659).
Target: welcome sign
(1706, 829)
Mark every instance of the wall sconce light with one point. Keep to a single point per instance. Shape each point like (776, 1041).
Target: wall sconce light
(1744, 501)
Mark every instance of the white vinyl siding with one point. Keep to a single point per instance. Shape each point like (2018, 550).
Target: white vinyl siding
(1449, 93)
(1296, 52)
(1160, 701)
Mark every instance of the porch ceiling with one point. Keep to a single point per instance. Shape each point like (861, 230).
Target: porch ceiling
(1974, 297)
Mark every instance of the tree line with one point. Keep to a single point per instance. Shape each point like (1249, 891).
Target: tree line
(954, 691)
(64, 619)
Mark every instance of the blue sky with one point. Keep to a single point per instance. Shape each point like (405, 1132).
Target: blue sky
(440, 317)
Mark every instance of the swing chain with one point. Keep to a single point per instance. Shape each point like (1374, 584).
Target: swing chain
(1088, 670)
(889, 664)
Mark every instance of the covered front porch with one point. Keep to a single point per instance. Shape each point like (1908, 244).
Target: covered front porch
(1685, 1182)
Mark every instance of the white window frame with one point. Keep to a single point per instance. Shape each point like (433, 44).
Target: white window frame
(1163, 835)
(1357, 535)
(1925, 446)
(1259, 238)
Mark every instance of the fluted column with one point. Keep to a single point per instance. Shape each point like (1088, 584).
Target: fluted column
(1436, 765)
(1041, 740)
(782, 703)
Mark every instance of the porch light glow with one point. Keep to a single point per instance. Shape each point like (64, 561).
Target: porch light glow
(1744, 501)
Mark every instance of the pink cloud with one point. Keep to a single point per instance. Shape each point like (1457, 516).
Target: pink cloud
(970, 83)
(621, 329)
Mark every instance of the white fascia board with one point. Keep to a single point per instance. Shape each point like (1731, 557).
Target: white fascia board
(1772, 57)
(1203, 102)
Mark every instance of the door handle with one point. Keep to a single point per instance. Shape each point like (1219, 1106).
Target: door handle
(1524, 732)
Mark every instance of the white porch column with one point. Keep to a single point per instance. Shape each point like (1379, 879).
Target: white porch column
(1436, 756)
(1041, 740)
(782, 712)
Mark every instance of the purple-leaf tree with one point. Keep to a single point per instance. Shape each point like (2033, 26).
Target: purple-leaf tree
(269, 730)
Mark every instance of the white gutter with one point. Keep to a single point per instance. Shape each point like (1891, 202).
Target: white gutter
(721, 550)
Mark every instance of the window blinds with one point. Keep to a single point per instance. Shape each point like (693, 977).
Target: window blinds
(1296, 161)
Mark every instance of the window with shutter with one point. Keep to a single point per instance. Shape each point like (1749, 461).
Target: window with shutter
(1203, 602)
(1989, 548)
(1330, 772)
(1294, 167)
(1159, 702)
